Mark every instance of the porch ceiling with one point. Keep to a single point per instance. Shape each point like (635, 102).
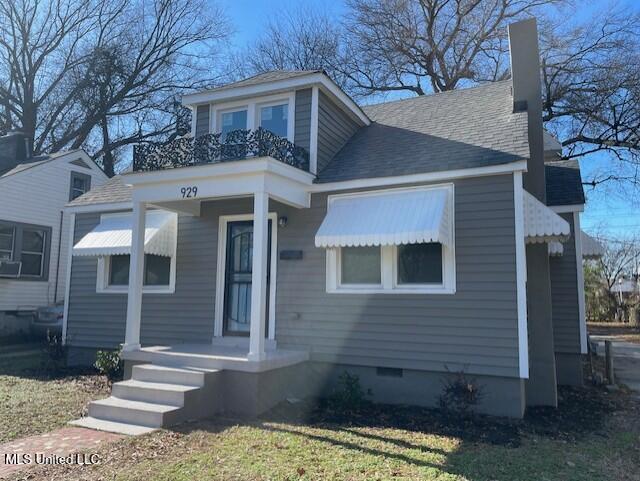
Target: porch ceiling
(183, 189)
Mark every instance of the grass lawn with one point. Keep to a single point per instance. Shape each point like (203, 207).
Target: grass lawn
(34, 401)
(594, 436)
(619, 331)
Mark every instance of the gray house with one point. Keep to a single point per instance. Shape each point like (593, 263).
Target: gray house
(295, 235)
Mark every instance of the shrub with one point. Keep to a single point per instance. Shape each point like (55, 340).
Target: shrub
(110, 364)
(459, 394)
(348, 395)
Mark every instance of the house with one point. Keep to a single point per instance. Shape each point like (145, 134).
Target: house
(295, 235)
(33, 225)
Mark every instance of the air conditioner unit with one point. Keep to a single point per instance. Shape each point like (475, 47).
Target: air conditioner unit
(10, 269)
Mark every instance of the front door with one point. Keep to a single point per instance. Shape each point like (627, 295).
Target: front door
(237, 293)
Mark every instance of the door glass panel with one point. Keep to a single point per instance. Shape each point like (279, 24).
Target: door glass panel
(237, 305)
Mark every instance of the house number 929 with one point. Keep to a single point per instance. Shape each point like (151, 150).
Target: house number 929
(189, 192)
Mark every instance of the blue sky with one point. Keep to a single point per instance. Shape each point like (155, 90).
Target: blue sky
(611, 211)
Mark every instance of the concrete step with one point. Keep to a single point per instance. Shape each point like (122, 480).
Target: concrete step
(170, 375)
(152, 392)
(112, 426)
(134, 412)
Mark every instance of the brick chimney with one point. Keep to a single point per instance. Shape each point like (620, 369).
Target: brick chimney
(527, 95)
(14, 150)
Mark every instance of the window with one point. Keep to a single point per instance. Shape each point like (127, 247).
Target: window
(7, 237)
(419, 264)
(27, 244)
(80, 183)
(274, 118)
(157, 270)
(360, 266)
(33, 252)
(410, 268)
(230, 121)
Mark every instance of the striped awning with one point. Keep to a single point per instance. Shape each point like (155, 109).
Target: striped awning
(113, 235)
(591, 248)
(393, 217)
(541, 224)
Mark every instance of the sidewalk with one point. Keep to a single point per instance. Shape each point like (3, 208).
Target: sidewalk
(61, 442)
(626, 361)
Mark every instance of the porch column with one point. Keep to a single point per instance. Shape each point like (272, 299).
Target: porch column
(136, 276)
(259, 276)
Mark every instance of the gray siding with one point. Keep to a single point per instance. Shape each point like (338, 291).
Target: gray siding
(564, 296)
(302, 133)
(202, 119)
(335, 127)
(474, 329)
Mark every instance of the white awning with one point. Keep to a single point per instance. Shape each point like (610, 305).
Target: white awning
(556, 249)
(541, 224)
(591, 248)
(113, 235)
(394, 217)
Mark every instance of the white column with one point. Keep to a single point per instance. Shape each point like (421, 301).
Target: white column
(259, 276)
(136, 278)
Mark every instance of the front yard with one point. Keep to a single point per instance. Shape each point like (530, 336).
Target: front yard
(34, 400)
(594, 436)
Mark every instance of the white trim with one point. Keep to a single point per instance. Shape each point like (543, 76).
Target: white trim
(194, 119)
(520, 165)
(563, 209)
(313, 134)
(223, 220)
(136, 279)
(319, 79)
(582, 320)
(67, 285)
(388, 257)
(521, 276)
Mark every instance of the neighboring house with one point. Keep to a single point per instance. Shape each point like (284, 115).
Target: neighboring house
(33, 226)
(397, 241)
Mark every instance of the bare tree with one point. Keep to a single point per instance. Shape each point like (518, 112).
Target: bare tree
(299, 39)
(102, 74)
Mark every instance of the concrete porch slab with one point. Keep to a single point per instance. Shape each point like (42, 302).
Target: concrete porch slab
(208, 356)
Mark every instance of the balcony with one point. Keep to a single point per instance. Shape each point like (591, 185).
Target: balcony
(214, 148)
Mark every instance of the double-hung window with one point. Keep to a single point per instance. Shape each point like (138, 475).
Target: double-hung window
(28, 244)
(79, 185)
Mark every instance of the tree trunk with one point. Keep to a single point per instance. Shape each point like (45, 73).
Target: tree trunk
(107, 156)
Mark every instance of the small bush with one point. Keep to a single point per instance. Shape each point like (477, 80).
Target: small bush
(110, 364)
(459, 394)
(55, 353)
(348, 395)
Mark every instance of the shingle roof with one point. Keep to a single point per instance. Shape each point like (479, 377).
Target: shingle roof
(564, 183)
(114, 190)
(35, 161)
(460, 129)
(271, 76)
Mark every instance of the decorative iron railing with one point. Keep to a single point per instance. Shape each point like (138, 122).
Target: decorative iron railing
(213, 148)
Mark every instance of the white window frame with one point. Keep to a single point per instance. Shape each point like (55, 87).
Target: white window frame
(389, 263)
(223, 220)
(102, 281)
(252, 106)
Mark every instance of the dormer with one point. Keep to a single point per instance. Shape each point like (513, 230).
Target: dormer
(304, 107)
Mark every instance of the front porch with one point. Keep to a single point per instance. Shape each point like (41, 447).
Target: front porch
(215, 357)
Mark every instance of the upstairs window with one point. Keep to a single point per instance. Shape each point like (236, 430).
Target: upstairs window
(275, 119)
(80, 184)
(230, 121)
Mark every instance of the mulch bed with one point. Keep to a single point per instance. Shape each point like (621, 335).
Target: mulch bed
(580, 411)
